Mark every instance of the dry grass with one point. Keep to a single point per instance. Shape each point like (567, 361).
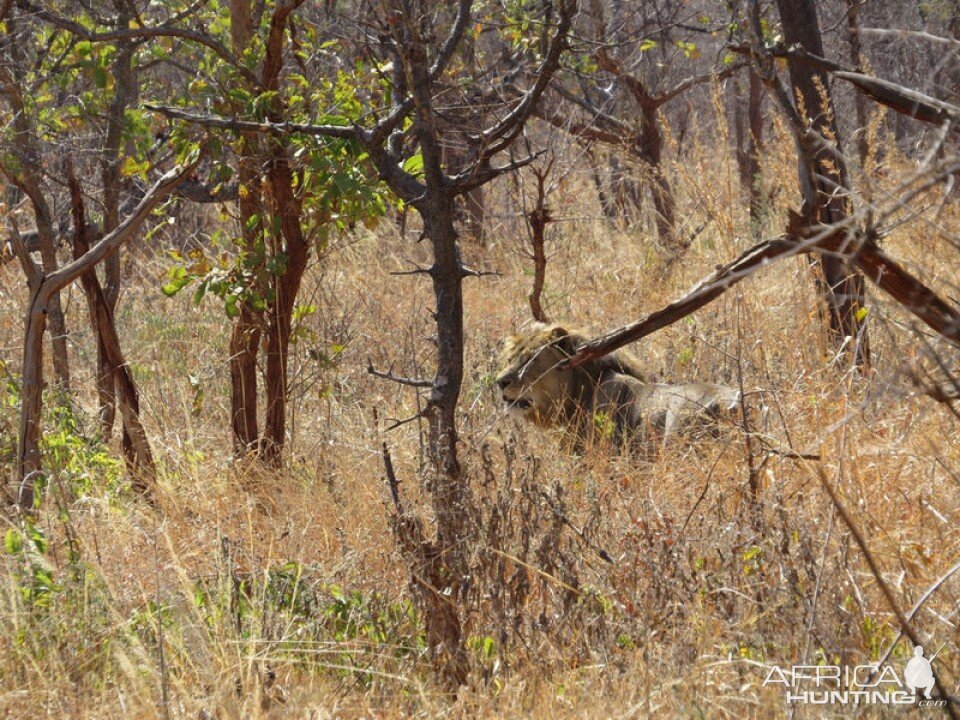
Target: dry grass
(253, 594)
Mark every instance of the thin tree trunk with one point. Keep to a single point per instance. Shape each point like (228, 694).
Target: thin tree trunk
(31, 384)
(823, 178)
(650, 149)
(754, 148)
(538, 219)
(135, 445)
(286, 287)
(451, 494)
(856, 60)
(244, 346)
(246, 331)
(446, 560)
(124, 95)
(58, 323)
(287, 207)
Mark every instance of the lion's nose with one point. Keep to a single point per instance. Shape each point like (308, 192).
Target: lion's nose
(504, 381)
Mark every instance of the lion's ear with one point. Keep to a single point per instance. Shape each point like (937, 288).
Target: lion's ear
(563, 339)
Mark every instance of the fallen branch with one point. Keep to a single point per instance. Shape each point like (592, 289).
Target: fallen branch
(865, 254)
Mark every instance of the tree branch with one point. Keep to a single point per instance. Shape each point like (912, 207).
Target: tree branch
(498, 137)
(141, 33)
(124, 231)
(410, 382)
(344, 132)
(453, 39)
(685, 85)
(882, 270)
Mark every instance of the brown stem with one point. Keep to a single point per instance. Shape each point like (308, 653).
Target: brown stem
(135, 444)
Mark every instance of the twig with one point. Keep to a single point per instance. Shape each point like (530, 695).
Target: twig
(470, 272)
(916, 608)
(412, 382)
(397, 423)
(392, 481)
(905, 627)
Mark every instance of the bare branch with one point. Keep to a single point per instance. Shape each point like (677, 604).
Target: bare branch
(685, 85)
(882, 270)
(702, 294)
(397, 423)
(452, 41)
(470, 272)
(476, 176)
(897, 97)
(903, 100)
(499, 136)
(411, 382)
(344, 132)
(919, 34)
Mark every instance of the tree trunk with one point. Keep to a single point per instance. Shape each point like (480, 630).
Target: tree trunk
(445, 561)
(244, 346)
(856, 60)
(538, 219)
(823, 178)
(286, 287)
(124, 95)
(291, 243)
(134, 442)
(448, 558)
(247, 327)
(749, 135)
(650, 149)
(246, 331)
(41, 299)
(31, 382)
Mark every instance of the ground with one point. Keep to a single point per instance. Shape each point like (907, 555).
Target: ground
(252, 593)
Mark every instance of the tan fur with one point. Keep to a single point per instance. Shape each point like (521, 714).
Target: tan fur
(607, 397)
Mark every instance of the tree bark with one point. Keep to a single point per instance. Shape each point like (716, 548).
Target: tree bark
(247, 327)
(134, 441)
(290, 242)
(286, 287)
(41, 297)
(124, 95)
(856, 59)
(447, 558)
(823, 178)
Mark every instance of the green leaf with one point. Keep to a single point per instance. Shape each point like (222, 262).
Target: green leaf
(100, 76)
(414, 164)
(13, 542)
(131, 166)
(177, 280)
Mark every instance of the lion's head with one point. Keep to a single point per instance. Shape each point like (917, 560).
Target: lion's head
(537, 384)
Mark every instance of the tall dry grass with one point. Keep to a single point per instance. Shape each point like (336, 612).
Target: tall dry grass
(248, 594)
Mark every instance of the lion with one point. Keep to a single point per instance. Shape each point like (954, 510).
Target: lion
(605, 398)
